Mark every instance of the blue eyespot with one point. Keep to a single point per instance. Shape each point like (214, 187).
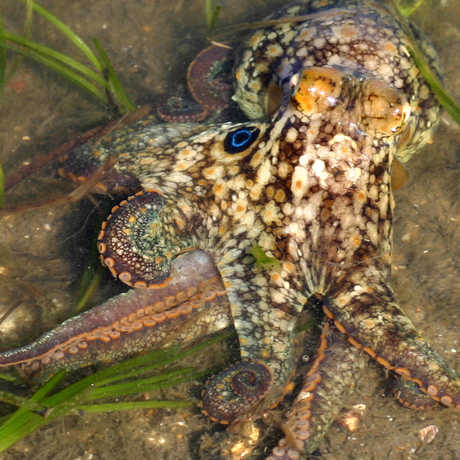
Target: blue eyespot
(240, 139)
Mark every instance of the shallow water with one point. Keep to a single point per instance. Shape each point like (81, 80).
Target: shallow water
(43, 252)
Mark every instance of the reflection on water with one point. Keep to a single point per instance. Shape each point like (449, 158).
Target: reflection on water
(150, 44)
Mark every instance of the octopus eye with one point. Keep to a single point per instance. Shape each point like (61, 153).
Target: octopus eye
(240, 139)
(317, 89)
(384, 108)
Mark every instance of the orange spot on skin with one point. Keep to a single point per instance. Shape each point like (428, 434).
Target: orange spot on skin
(356, 240)
(361, 196)
(348, 31)
(218, 189)
(390, 47)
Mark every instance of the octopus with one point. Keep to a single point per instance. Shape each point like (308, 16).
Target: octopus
(308, 186)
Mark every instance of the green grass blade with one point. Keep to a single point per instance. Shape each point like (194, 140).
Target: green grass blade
(18, 427)
(422, 64)
(56, 55)
(436, 85)
(163, 380)
(19, 401)
(48, 386)
(23, 421)
(118, 369)
(68, 32)
(115, 85)
(211, 13)
(64, 71)
(110, 407)
(90, 282)
(407, 7)
(8, 377)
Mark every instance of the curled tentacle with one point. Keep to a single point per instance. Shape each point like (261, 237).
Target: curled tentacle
(139, 240)
(207, 83)
(236, 390)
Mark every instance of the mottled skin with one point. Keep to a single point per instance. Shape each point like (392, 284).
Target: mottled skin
(311, 187)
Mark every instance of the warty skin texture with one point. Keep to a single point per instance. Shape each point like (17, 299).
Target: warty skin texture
(311, 187)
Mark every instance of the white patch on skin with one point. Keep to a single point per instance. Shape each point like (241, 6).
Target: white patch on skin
(302, 52)
(319, 42)
(277, 296)
(270, 213)
(267, 242)
(383, 205)
(291, 135)
(353, 174)
(283, 169)
(264, 173)
(335, 59)
(315, 231)
(319, 170)
(372, 233)
(213, 172)
(373, 193)
(300, 182)
(309, 210)
(386, 70)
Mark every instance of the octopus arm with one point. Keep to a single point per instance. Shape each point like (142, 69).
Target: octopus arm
(331, 378)
(372, 320)
(185, 309)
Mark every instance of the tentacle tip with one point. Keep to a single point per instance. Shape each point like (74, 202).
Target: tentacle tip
(232, 393)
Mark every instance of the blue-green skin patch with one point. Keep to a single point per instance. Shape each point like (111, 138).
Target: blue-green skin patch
(312, 190)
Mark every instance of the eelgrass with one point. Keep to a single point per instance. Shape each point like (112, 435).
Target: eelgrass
(404, 9)
(129, 377)
(408, 7)
(99, 80)
(211, 13)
